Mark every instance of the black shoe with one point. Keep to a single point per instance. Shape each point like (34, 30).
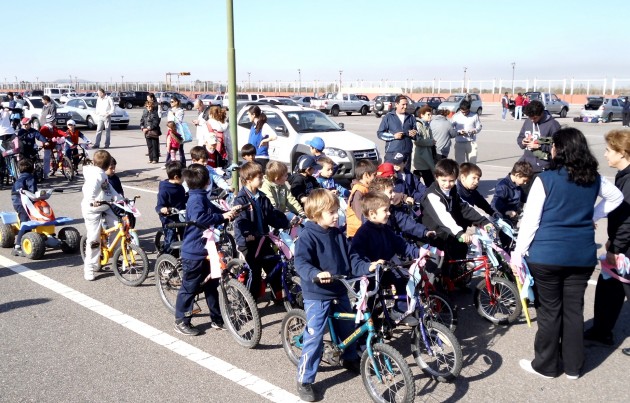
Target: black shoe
(186, 328)
(306, 392)
(626, 351)
(353, 366)
(95, 147)
(217, 325)
(409, 320)
(592, 335)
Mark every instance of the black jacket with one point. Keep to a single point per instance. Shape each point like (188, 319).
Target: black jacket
(150, 120)
(548, 126)
(302, 185)
(246, 224)
(474, 198)
(619, 218)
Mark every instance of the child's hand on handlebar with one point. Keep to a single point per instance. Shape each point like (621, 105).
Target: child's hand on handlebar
(229, 215)
(373, 265)
(465, 238)
(324, 277)
(164, 210)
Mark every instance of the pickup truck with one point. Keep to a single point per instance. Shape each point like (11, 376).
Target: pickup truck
(552, 103)
(341, 102)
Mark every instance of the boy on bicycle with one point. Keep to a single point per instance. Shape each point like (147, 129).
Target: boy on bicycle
(321, 252)
(171, 194)
(73, 135)
(26, 181)
(96, 188)
(27, 136)
(195, 263)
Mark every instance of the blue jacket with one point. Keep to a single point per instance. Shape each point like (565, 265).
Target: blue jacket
(318, 250)
(27, 138)
(255, 138)
(170, 195)
(330, 184)
(409, 186)
(390, 125)
(376, 241)
(405, 223)
(507, 196)
(204, 213)
(25, 181)
(474, 198)
(257, 219)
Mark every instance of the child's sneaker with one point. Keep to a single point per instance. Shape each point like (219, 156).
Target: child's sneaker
(17, 251)
(186, 328)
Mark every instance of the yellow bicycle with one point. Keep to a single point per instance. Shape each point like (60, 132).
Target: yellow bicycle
(130, 262)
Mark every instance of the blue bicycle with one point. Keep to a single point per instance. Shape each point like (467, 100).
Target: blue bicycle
(385, 373)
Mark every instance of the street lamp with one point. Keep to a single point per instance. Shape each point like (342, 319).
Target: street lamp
(340, 73)
(464, 85)
(122, 82)
(249, 81)
(299, 81)
(513, 66)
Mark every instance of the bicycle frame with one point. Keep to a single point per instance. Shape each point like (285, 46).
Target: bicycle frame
(107, 249)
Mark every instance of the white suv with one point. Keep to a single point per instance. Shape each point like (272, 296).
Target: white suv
(241, 98)
(295, 125)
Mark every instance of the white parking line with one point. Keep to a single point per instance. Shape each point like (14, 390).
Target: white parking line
(140, 189)
(192, 353)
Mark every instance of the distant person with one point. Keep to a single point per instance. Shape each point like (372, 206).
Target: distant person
(398, 129)
(200, 122)
(260, 134)
(248, 152)
(423, 162)
(518, 106)
(625, 112)
(443, 131)
(104, 111)
(50, 108)
(505, 105)
(176, 115)
(219, 127)
(467, 125)
(150, 126)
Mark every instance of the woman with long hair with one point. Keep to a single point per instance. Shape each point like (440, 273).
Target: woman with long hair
(260, 135)
(176, 115)
(557, 240)
(612, 289)
(219, 127)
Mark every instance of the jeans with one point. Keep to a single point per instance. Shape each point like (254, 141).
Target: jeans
(103, 123)
(518, 112)
(316, 325)
(625, 117)
(47, 162)
(193, 274)
(559, 306)
(504, 113)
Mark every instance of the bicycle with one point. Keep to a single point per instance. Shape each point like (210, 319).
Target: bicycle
(81, 157)
(238, 307)
(8, 168)
(59, 161)
(385, 373)
(130, 262)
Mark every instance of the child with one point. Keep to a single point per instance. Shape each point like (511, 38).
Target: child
(195, 263)
(171, 194)
(73, 135)
(404, 181)
(215, 160)
(173, 142)
(446, 213)
(96, 188)
(113, 179)
(317, 146)
(323, 252)
(25, 181)
(275, 187)
(49, 131)
(27, 136)
(375, 240)
(325, 178)
(199, 155)
(509, 197)
(253, 223)
(401, 220)
(469, 175)
(364, 172)
(248, 152)
(302, 181)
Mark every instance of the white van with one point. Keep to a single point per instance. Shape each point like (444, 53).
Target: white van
(241, 98)
(56, 92)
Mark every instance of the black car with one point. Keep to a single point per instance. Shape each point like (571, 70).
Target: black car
(433, 102)
(130, 99)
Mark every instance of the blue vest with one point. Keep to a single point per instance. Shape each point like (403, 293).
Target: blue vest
(566, 235)
(255, 138)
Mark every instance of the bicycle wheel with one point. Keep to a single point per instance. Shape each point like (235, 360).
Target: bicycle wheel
(295, 298)
(168, 280)
(13, 169)
(440, 354)
(501, 304)
(67, 169)
(291, 331)
(158, 241)
(228, 245)
(396, 381)
(240, 313)
(38, 171)
(133, 269)
(439, 310)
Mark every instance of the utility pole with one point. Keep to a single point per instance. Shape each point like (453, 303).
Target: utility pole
(249, 81)
(299, 81)
(513, 67)
(340, 73)
(464, 84)
(122, 82)
(231, 59)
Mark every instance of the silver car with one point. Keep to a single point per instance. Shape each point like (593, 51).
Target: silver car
(303, 100)
(453, 101)
(83, 112)
(602, 108)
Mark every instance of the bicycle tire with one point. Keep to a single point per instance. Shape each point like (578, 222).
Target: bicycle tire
(38, 171)
(158, 241)
(240, 313)
(503, 306)
(295, 289)
(13, 170)
(438, 309)
(442, 358)
(168, 280)
(394, 371)
(291, 330)
(67, 169)
(131, 274)
(228, 245)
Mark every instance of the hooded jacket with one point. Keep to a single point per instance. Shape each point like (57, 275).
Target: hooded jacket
(547, 126)
(443, 131)
(281, 197)
(247, 222)
(200, 210)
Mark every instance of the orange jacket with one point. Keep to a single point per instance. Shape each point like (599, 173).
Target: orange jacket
(352, 221)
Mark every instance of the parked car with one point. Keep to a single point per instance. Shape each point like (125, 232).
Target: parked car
(56, 92)
(65, 97)
(279, 101)
(33, 110)
(303, 100)
(129, 99)
(552, 103)
(83, 112)
(433, 102)
(211, 99)
(342, 102)
(363, 97)
(164, 100)
(383, 104)
(241, 99)
(453, 101)
(296, 125)
(602, 108)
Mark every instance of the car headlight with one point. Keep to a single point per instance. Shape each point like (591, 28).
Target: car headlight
(335, 152)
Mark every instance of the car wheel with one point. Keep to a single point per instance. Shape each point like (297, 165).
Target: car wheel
(90, 123)
(334, 111)
(479, 110)
(128, 105)
(189, 107)
(563, 113)
(364, 111)
(123, 127)
(610, 117)
(35, 124)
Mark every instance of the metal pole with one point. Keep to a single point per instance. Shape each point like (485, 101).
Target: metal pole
(231, 56)
(299, 81)
(340, 73)
(464, 82)
(249, 81)
(513, 68)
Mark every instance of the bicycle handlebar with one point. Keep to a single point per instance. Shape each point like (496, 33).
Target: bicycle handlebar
(349, 282)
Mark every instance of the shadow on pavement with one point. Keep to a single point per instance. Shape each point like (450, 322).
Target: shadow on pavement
(7, 306)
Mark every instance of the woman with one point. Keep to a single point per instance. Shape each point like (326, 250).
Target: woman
(176, 115)
(219, 127)
(260, 135)
(150, 126)
(557, 239)
(423, 163)
(611, 292)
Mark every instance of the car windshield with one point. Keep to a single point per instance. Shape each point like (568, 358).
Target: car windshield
(37, 103)
(454, 98)
(91, 103)
(311, 122)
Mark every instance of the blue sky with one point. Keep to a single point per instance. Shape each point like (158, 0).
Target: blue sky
(370, 40)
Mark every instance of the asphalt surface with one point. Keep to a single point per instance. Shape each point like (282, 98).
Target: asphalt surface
(60, 345)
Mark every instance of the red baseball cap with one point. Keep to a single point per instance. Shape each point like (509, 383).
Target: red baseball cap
(386, 170)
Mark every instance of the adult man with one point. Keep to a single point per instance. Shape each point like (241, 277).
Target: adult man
(518, 106)
(104, 111)
(505, 105)
(200, 122)
(398, 129)
(50, 108)
(625, 112)
(467, 125)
